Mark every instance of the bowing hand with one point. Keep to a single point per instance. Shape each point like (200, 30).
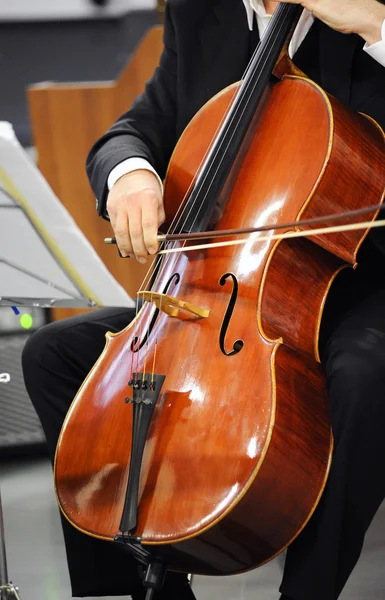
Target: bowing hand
(363, 17)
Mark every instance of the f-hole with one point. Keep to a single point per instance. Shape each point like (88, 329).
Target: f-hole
(238, 345)
(134, 347)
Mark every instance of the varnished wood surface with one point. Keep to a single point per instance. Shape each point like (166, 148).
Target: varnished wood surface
(354, 159)
(239, 447)
(67, 119)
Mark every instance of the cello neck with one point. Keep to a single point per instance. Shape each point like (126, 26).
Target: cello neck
(226, 147)
(275, 41)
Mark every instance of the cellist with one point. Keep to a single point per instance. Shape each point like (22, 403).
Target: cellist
(208, 44)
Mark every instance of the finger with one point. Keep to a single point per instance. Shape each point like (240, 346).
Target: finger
(122, 234)
(150, 222)
(136, 234)
(121, 255)
(161, 215)
(112, 216)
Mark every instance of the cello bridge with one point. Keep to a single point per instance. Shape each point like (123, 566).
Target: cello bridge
(172, 306)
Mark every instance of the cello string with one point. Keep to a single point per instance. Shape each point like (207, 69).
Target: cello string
(281, 236)
(176, 219)
(273, 28)
(243, 90)
(305, 233)
(154, 361)
(145, 361)
(179, 214)
(186, 211)
(132, 364)
(237, 92)
(155, 266)
(137, 362)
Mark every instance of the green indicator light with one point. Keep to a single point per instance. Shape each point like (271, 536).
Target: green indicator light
(26, 321)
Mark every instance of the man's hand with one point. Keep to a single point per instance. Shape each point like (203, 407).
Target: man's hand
(364, 17)
(135, 207)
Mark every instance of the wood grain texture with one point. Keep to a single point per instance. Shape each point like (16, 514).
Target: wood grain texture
(353, 159)
(66, 120)
(239, 447)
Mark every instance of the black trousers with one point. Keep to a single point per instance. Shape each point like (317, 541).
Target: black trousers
(58, 357)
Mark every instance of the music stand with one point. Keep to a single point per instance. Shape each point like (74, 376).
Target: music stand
(45, 261)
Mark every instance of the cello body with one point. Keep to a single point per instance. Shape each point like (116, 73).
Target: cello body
(240, 445)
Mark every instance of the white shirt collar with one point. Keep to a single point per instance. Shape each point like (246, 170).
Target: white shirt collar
(263, 20)
(376, 51)
(258, 7)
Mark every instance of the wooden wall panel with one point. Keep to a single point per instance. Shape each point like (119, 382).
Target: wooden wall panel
(66, 120)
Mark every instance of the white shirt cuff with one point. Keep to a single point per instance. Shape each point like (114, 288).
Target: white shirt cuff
(129, 165)
(377, 50)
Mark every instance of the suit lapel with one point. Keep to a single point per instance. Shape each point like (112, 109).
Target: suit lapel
(225, 49)
(225, 44)
(336, 62)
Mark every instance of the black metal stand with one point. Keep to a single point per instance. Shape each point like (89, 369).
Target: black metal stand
(7, 589)
(153, 579)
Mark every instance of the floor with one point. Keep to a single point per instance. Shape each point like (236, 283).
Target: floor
(36, 560)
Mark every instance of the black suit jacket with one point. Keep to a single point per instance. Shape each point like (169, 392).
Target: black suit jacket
(207, 47)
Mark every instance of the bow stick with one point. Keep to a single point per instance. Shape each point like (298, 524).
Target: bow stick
(250, 230)
(278, 236)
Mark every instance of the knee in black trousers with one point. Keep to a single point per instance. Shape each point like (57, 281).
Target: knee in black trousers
(58, 357)
(322, 558)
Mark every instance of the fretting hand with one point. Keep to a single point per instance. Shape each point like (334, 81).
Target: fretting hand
(363, 17)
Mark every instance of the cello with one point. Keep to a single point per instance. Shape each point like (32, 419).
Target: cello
(200, 441)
